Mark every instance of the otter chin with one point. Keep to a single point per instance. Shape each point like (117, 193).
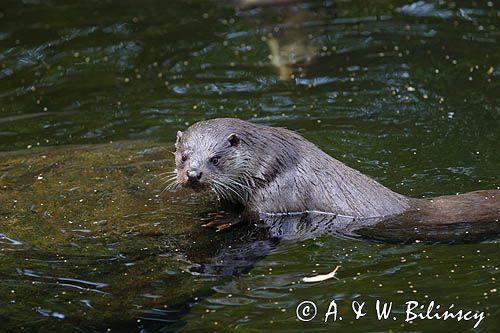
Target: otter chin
(267, 170)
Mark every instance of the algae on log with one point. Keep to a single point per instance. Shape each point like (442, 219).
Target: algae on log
(89, 240)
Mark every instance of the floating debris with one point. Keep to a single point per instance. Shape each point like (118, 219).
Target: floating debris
(319, 278)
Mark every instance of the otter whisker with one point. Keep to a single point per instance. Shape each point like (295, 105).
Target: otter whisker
(241, 195)
(160, 176)
(224, 192)
(220, 193)
(225, 186)
(240, 186)
(171, 187)
(243, 189)
(172, 184)
(169, 180)
(169, 146)
(222, 188)
(216, 193)
(244, 186)
(168, 176)
(170, 172)
(236, 190)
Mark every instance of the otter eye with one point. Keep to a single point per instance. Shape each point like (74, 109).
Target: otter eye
(214, 160)
(184, 158)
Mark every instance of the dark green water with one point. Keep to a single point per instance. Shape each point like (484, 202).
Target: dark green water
(406, 92)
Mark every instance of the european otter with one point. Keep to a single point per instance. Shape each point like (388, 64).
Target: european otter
(268, 170)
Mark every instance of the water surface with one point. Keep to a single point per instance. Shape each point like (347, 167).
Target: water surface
(406, 92)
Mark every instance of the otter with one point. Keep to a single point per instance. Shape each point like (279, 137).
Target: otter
(272, 170)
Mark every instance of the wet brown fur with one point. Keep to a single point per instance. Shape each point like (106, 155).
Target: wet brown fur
(281, 172)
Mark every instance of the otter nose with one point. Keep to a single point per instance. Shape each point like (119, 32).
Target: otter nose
(194, 175)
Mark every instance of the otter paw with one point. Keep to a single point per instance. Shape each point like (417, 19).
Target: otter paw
(212, 224)
(224, 226)
(220, 225)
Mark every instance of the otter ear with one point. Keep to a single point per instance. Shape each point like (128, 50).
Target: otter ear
(234, 139)
(179, 137)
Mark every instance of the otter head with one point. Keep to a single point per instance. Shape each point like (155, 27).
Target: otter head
(214, 157)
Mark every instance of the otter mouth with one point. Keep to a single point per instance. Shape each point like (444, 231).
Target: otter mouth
(196, 186)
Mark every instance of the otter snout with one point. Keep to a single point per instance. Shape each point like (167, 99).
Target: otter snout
(194, 177)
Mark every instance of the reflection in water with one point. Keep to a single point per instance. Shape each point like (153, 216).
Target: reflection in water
(397, 229)
(234, 260)
(309, 225)
(286, 28)
(285, 57)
